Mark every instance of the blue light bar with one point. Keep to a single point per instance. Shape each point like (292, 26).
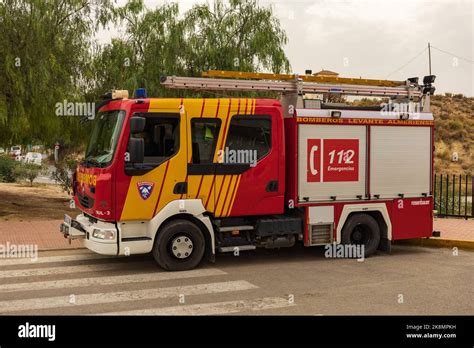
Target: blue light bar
(140, 93)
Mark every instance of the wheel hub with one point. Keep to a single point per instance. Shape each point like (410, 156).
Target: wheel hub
(360, 235)
(182, 247)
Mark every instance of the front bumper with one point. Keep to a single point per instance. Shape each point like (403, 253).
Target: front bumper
(82, 228)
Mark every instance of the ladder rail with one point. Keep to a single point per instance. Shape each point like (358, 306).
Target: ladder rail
(287, 86)
(305, 78)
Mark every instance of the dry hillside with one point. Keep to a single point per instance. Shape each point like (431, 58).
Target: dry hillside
(454, 121)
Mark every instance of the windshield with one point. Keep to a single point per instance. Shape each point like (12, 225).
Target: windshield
(104, 138)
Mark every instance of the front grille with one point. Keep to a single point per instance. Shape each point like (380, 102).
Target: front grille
(85, 201)
(320, 234)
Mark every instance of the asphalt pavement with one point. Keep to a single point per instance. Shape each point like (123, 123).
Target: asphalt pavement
(411, 280)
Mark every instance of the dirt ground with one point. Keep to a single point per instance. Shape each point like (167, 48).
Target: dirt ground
(20, 202)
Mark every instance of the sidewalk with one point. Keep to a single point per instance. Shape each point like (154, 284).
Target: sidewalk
(47, 236)
(43, 233)
(458, 229)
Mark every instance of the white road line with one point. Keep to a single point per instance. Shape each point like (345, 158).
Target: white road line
(114, 280)
(111, 266)
(48, 259)
(216, 308)
(121, 296)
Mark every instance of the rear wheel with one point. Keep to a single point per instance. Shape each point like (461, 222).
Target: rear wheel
(179, 246)
(362, 229)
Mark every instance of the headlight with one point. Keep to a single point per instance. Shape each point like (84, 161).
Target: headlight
(103, 234)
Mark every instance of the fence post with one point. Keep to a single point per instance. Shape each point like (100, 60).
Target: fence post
(472, 196)
(459, 193)
(440, 193)
(465, 198)
(447, 194)
(453, 211)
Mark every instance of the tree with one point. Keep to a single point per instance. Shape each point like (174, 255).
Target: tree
(239, 35)
(63, 171)
(43, 52)
(48, 55)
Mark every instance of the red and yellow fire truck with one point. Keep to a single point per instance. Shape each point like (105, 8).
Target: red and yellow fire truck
(187, 178)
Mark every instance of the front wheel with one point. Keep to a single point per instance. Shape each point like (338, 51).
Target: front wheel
(179, 246)
(362, 229)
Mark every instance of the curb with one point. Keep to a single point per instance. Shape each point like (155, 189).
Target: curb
(60, 249)
(439, 243)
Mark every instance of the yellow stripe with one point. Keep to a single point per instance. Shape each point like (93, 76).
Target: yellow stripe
(135, 207)
(208, 189)
(227, 196)
(225, 186)
(227, 213)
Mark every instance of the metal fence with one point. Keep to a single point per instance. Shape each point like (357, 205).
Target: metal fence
(453, 195)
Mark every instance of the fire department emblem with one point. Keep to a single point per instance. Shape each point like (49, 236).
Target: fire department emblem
(145, 189)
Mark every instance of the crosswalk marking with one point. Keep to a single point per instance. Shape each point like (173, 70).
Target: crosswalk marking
(120, 296)
(113, 280)
(48, 259)
(216, 308)
(111, 266)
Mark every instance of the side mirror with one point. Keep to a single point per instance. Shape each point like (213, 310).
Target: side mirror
(136, 149)
(137, 124)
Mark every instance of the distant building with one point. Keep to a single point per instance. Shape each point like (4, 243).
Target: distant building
(326, 73)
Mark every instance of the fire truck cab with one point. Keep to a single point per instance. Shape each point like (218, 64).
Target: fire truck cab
(187, 178)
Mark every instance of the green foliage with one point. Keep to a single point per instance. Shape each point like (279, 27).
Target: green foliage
(44, 50)
(63, 171)
(7, 166)
(28, 172)
(47, 55)
(239, 35)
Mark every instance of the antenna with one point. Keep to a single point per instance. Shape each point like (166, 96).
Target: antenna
(429, 56)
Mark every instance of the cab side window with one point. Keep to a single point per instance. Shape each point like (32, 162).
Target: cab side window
(250, 133)
(204, 135)
(161, 136)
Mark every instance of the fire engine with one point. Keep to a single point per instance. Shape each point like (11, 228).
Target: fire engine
(186, 178)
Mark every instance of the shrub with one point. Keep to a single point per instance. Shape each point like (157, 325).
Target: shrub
(455, 124)
(63, 171)
(7, 166)
(29, 172)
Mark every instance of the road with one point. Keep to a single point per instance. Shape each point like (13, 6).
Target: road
(412, 280)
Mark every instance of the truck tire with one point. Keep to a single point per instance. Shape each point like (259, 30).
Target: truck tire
(362, 229)
(179, 246)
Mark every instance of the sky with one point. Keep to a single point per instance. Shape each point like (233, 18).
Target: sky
(380, 39)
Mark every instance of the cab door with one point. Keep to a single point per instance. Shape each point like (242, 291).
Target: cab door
(252, 167)
(233, 167)
(159, 180)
